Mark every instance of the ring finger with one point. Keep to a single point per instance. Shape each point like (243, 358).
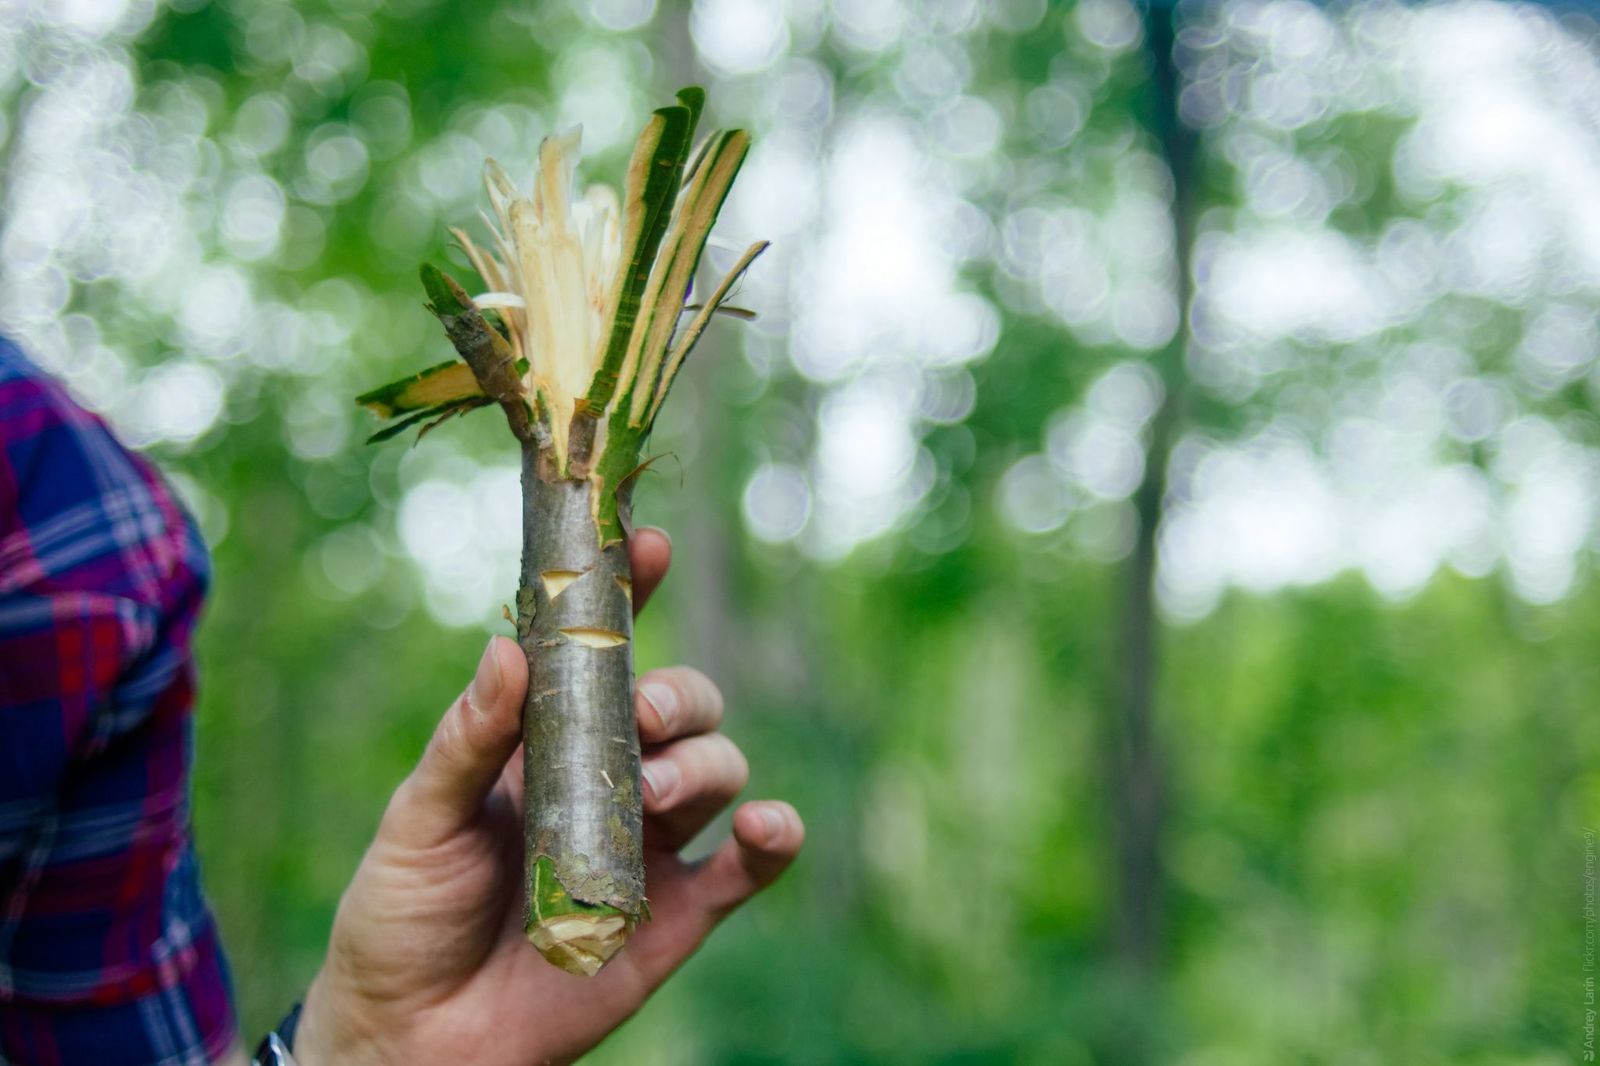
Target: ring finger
(687, 783)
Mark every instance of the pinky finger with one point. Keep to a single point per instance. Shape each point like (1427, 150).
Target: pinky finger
(766, 838)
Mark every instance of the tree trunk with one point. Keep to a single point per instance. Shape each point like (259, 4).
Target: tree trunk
(1138, 800)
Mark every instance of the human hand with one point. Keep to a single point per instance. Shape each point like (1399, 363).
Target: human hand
(428, 962)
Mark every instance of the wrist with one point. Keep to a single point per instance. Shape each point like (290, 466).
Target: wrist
(274, 1049)
(326, 1033)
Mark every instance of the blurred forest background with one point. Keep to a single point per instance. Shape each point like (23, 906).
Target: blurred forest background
(1150, 532)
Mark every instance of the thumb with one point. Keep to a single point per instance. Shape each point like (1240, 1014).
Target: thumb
(466, 753)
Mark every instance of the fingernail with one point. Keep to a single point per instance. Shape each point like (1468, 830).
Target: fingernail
(662, 777)
(664, 698)
(487, 682)
(771, 823)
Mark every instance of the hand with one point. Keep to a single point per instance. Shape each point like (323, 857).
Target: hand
(427, 961)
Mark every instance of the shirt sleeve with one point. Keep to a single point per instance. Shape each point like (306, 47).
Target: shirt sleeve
(108, 954)
(89, 555)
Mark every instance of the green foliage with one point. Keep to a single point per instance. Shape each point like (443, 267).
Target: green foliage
(1375, 806)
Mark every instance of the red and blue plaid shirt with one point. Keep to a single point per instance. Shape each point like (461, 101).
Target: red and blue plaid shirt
(108, 954)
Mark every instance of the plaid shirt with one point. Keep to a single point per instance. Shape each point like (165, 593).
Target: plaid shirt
(108, 954)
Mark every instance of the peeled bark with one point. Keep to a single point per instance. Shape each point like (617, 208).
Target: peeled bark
(584, 824)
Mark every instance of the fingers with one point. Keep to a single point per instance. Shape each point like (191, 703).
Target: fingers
(766, 837)
(689, 780)
(686, 784)
(649, 555)
(688, 901)
(669, 704)
(678, 701)
(466, 754)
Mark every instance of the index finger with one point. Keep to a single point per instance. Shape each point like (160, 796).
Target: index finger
(649, 555)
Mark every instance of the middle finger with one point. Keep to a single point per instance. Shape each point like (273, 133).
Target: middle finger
(678, 701)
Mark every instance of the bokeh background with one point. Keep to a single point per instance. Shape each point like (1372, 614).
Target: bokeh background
(1150, 531)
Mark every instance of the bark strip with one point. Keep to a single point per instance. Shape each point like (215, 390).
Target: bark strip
(584, 807)
(480, 346)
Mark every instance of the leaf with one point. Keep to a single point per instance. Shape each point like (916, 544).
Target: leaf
(445, 383)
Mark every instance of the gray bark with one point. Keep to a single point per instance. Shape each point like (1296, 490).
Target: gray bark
(575, 624)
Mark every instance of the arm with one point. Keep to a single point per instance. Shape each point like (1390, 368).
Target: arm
(427, 961)
(108, 953)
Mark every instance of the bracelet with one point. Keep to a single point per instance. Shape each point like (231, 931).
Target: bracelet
(274, 1049)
